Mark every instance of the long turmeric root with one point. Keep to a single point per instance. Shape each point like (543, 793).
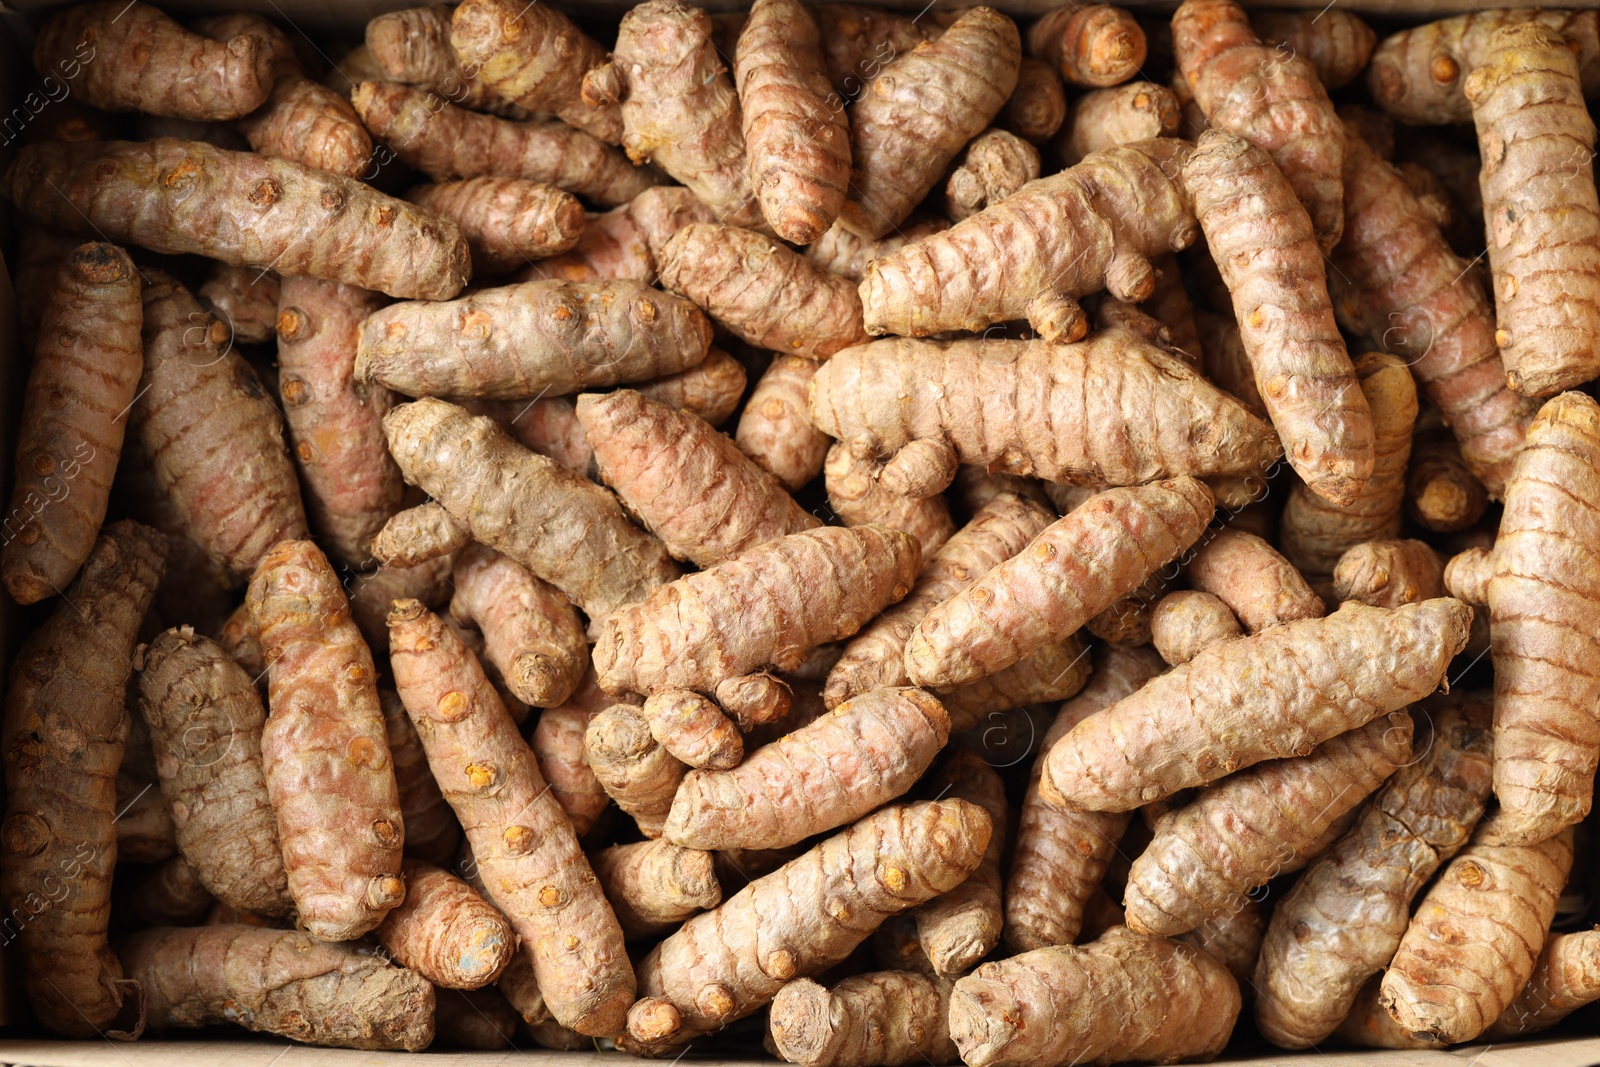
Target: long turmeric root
(879, 1019)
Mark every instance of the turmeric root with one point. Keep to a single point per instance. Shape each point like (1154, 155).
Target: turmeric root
(561, 527)
(796, 137)
(730, 962)
(761, 291)
(446, 932)
(961, 927)
(65, 727)
(1091, 1004)
(526, 852)
(911, 121)
(880, 1019)
(1387, 574)
(711, 389)
(679, 108)
(335, 423)
(529, 629)
(857, 497)
(1054, 672)
(557, 743)
(1418, 74)
(1474, 940)
(1074, 569)
(689, 484)
(1245, 89)
(1106, 118)
(413, 46)
(1336, 42)
(507, 221)
(446, 142)
(942, 282)
(1369, 1024)
(534, 57)
(1314, 531)
(745, 614)
(432, 833)
(1355, 665)
(205, 721)
(1207, 856)
(625, 242)
(1442, 492)
(1187, 620)
(418, 534)
(325, 752)
(654, 885)
(1234, 940)
(245, 298)
(214, 439)
(994, 165)
(1537, 143)
(632, 766)
(85, 371)
(1072, 432)
(1096, 46)
(131, 57)
(1037, 106)
(847, 254)
(1285, 317)
(1425, 307)
(693, 729)
(859, 41)
(1345, 917)
(278, 982)
(372, 591)
(1565, 978)
(240, 208)
(775, 427)
(530, 340)
(893, 735)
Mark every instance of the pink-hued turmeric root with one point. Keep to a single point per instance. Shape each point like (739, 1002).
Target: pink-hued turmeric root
(961, 927)
(910, 121)
(859, 41)
(1106, 118)
(324, 748)
(131, 57)
(1336, 42)
(1095, 46)
(86, 369)
(530, 631)
(446, 932)
(508, 222)
(632, 766)
(624, 243)
(246, 298)
(796, 137)
(857, 496)
(653, 885)
(557, 743)
(1349, 668)
(1387, 574)
(1262, 242)
(66, 724)
(775, 427)
(847, 254)
(526, 852)
(1269, 97)
(711, 390)
(1565, 978)
(1187, 620)
(335, 422)
(1037, 107)
(373, 591)
(214, 439)
(419, 534)
(994, 165)
(432, 833)
(1072, 571)
(688, 484)
(1255, 581)
(413, 46)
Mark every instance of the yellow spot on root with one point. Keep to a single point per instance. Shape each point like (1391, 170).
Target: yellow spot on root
(1444, 70)
(1471, 875)
(518, 840)
(481, 776)
(361, 752)
(385, 833)
(549, 897)
(714, 1001)
(453, 705)
(781, 965)
(893, 878)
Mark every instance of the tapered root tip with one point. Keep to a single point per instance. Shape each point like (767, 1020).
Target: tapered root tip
(800, 1022)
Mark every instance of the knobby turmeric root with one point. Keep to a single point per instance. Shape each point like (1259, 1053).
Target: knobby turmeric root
(858, 496)
(1187, 620)
(633, 767)
(655, 885)
(1336, 42)
(775, 427)
(879, 1019)
(1096, 45)
(1387, 574)
(413, 46)
(1565, 978)
(446, 932)
(530, 631)
(1106, 118)
(961, 927)
(508, 222)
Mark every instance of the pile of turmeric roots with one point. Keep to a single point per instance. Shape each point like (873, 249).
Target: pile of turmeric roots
(892, 537)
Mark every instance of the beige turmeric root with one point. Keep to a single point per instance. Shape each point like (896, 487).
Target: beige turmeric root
(1054, 672)
(557, 743)
(1349, 668)
(214, 439)
(446, 142)
(943, 282)
(240, 208)
(1280, 300)
(1234, 939)
(654, 885)
(1475, 938)
(324, 748)
(1106, 118)
(1387, 574)
(859, 41)
(85, 372)
(1037, 106)
(412, 46)
(246, 298)
(761, 291)
(808, 915)
(1369, 1024)
(1336, 42)
(131, 57)
(892, 735)
(1206, 857)
(563, 528)
(1091, 1004)
(1247, 89)
(711, 389)
(526, 852)
(994, 165)
(205, 721)
(1418, 75)
(775, 427)
(278, 982)
(910, 121)
(335, 422)
(507, 222)
(66, 723)
(530, 630)
(857, 497)
(879, 1019)
(693, 729)
(632, 766)
(1070, 430)
(1314, 532)
(689, 484)
(961, 927)
(1565, 978)
(1537, 144)
(1344, 918)
(1073, 570)
(534, 57)
(1095, 46)
(847, 254)
(1442, 492)
(796, 138)
(748, 613)
(624, 243)
(446, 932)
(432, 833)
(418, 534)
(530, 340)
(1187, 620)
